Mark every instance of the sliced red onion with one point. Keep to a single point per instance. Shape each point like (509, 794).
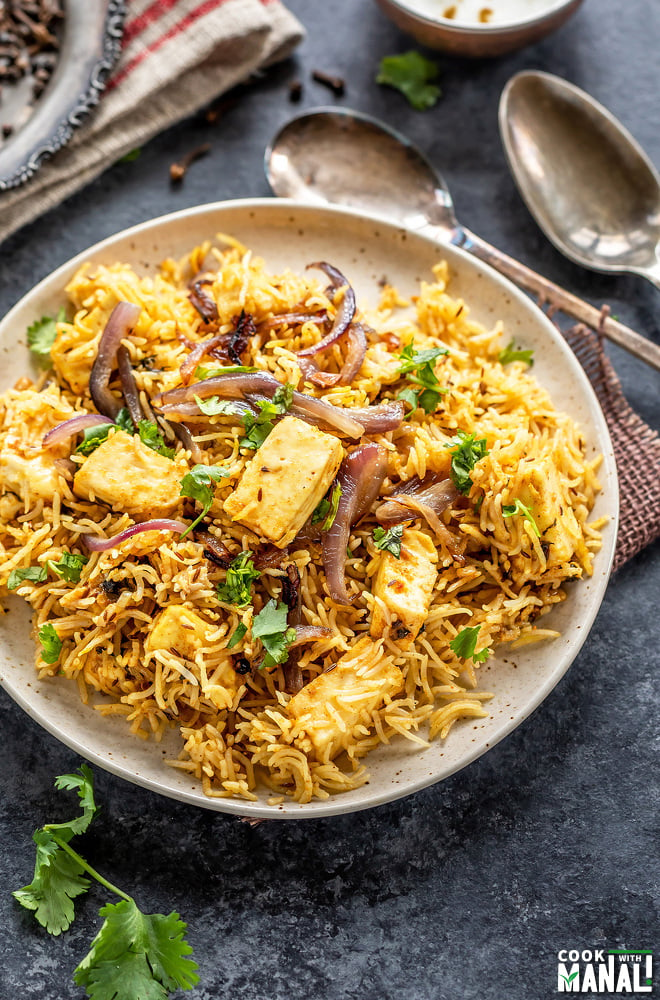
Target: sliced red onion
(129, 385)
(380, 418)
(438, 496)
(120, 324)
(177, 412)
(68, 429)
(96, 544)
(184, 435)
(293, 319)
(357, 348)
(360, 477)
(344, 314)
(188, 367)
(310, 633)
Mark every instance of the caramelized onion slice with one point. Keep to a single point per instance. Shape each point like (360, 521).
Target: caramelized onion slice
(438, 497)
(344, 314)
(360, 476)
(68, 429)
(120, 324)
(97, 544)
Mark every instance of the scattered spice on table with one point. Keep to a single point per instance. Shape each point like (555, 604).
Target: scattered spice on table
(28, 42)
(295, 91)
(334, 83)
(179, 170)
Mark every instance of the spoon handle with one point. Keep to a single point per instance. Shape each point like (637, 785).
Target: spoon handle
(570, 304)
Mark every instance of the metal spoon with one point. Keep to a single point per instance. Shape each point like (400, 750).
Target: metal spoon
(342, 157)
(591, 188)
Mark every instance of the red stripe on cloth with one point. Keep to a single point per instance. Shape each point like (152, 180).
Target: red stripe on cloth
(176, 29)
(147, 17)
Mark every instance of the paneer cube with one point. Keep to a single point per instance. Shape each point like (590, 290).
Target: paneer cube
(405, 586)
(26, 468)
(130, 477)
(334, 703)
(285, 480)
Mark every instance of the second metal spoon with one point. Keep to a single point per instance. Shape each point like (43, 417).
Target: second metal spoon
(341, 157)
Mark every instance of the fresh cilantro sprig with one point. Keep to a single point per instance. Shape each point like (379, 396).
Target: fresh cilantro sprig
(35, 574)
(151, 436)
(511, 353)
(95, 436)
(518, 507)
(418, 366)
(41, 337)
(326, 510)
(51, 644)
(135, 955)
(467, 451)
(270, 625)
(465, 643)
(202, 372)
(237, 587)
(69, 566)
(198, 485)
(414, 76)
(237, 635)
(259, 425)
(390, 540)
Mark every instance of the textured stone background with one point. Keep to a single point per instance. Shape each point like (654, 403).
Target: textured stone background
(469, 888)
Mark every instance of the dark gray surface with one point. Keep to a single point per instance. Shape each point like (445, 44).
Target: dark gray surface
(470, 888)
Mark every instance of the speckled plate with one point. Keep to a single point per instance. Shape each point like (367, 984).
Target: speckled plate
(366, 250)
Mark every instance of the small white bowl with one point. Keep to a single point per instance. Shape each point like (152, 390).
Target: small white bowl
(511, 24)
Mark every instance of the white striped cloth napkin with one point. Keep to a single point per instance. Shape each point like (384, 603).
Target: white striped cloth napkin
(177, 56)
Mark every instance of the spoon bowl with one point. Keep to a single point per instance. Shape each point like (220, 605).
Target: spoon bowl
(589, 185)
(335, 156)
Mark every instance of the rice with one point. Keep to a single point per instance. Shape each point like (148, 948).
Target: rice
(240, 727)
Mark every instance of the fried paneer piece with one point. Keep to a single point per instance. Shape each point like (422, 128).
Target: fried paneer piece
(285, 481)
(405, 586)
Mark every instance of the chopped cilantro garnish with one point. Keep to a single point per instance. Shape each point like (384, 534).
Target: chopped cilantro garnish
(202, 372)
(124, 420)
(518, 507)
(465, 643)
(69, 567)
(326, 510)
(41, 337)
(420, 364)
(35, 574)
(237, 635)
(214, 406)
(413, 75)
(51, 644)
(510, 353)
(390, 540)
(151, 435)
(270, 625)
(198, 485)
(237, 589)
(259, 425)
(467, 452)
(94, 436)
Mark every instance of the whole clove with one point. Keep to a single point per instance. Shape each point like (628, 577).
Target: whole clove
(334, 83)
(178, 170)
(28, 43)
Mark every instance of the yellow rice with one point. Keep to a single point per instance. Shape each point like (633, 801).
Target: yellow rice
(509, 580)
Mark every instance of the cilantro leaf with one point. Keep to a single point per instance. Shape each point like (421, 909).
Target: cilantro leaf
(36, 574)
(151, 436)
(258, 426)
(465, 643)
(326, 510)
(124, 420)
(413, 75)
(137, 956)
(214, 405)
(41, 337)
(509, 353)
(198, 485)
(270, 625)
(320, 512)
(518, 507)
(69, 567)
(202, 372)
(237, 635)
(51, 644)
(236, 589)
(418, 365)
(467, 452)
(283, 397)
(93, 437)
(390, 540)
(58, 877)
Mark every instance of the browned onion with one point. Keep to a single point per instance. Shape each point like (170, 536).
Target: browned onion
(202, 301)
(129, 385)
(344, 314)
(430, 503)
(214, 550)
(244, 328)
(310, 633)
(380, 418)
(357, 348)
(204, 347)
(67, 429)
(360, 477)
(293, 319)
(292, 597)
(120, 324)
(96, 544)
(182, 432)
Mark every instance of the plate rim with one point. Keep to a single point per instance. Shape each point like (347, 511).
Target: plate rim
(336, 804)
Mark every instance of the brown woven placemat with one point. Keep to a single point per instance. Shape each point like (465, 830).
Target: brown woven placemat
(636, 446)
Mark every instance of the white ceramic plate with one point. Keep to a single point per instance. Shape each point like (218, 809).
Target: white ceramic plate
(365, 249)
